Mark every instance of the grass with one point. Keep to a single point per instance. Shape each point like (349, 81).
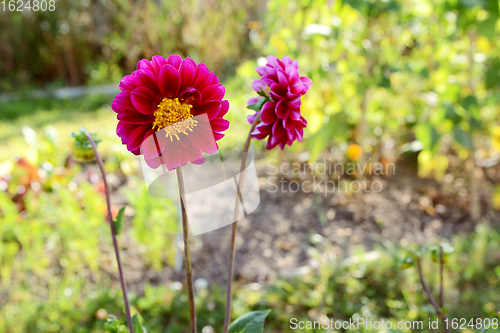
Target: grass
(93, 112)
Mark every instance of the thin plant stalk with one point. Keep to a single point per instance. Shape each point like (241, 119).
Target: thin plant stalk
(475, 209)
(113, 235)
(232, 250)
(429, 295)
(187, 251)
(441, 268)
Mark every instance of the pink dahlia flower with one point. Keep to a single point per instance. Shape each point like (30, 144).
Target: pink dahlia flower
(280, 116)
(161, 97)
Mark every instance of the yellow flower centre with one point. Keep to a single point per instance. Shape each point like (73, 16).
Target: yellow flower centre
(174, 117)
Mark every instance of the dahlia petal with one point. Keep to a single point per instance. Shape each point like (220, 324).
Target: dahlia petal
(282, 79)
(224, 108)
(144, 100)
(262, 70)
(200, 81)
(279, 90)
(146, 78)
(135, 118)
(218, 136)
(124, 129)
(271, 142)
(303, 121)
(214, 79)
(253, 100)
(291, 73)
(262, 131)
(251, 118)
(187, 71)
(295, 64)
(215, 92)
(282, 109)
(288, 124)
(269, 80)
(295, 115)
(290, 95)
(283, 142)
(268, 113)
(158, 63)
(136, 137)
(298, 88)
(145, 64)
(219, 125)
(204, 139)
(278, 129)
(154, 144)
(191, 154)
(272, 61)
(199, 161)
(154, 162)
(306, 81)
(294, 103)
(191, 93)
(127, 83)
(280, 63)
(211, 108)
(172, 154)
(258, 85)
(286, 60)
(174, 60)
(299, 134)
(122, 102)
(169, 81)
(136, 151)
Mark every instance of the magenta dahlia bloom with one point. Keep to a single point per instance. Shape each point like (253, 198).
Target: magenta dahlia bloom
(161, 97)
(280, 116)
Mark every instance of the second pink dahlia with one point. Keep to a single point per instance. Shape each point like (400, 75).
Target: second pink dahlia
(281, 120)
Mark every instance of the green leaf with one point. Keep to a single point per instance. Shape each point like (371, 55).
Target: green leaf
(336, 128)
(136, 324)
(407, 262)
(497, 271)
(472, 3)
(384, 81)
(427, 134)
(463, 138)
(112, 325)
(469, 103)
(492, 70)
(262, 93)
(119, 221)
(252, 322)
(257, 106)
(452, 115)
(487, 27)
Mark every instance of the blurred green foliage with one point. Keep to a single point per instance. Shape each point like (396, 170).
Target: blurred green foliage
(385, 73)
(421, 75)
(54, 237)
(368, 285)
(96, 41)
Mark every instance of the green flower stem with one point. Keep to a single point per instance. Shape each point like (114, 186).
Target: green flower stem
(187, 252)
(113, 235)
(229, 287)
(429, 295)
(441, 267)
